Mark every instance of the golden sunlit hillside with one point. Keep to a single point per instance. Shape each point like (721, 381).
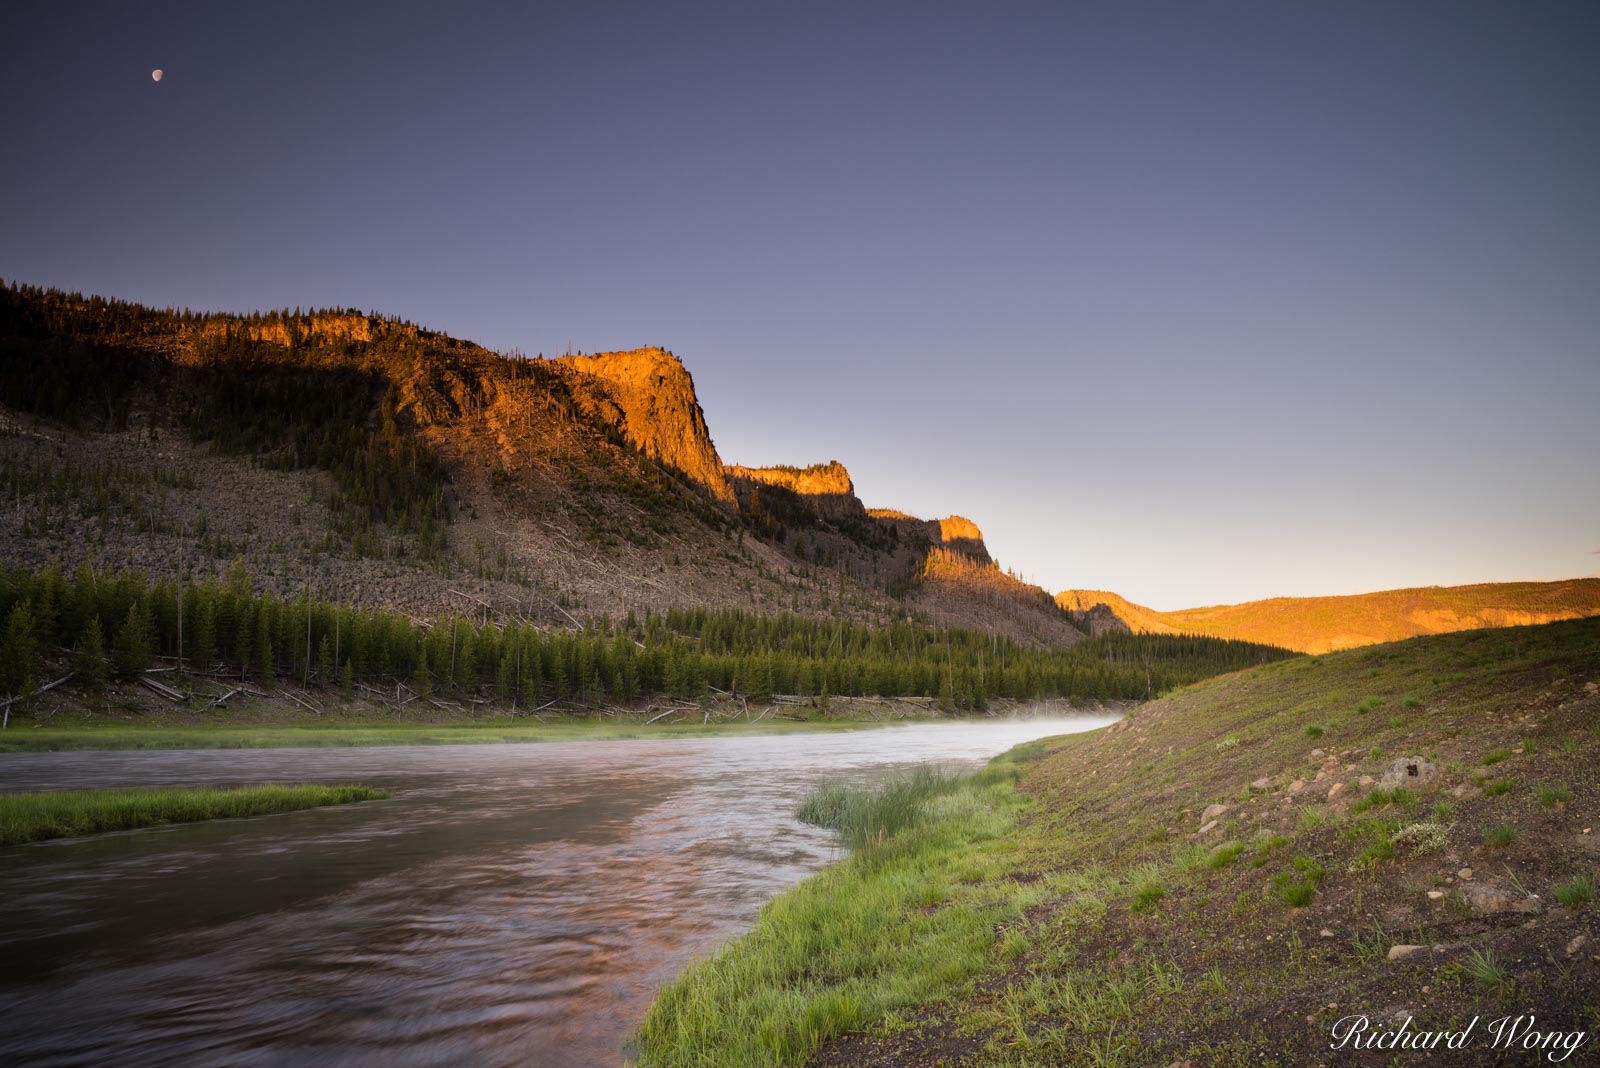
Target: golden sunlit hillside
(1323, 624)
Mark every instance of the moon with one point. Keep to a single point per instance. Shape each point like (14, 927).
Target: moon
(156, 74)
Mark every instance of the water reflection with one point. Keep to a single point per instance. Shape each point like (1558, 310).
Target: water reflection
(511, 905)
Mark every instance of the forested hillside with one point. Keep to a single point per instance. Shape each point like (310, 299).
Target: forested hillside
(97, 626)
(379, 464)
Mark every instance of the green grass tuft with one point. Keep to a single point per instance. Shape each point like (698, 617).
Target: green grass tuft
(1147, 895)
(1224, 855)
(1502, 835)
(1578, 890)
(1485, 970)
(1384, 798)
(1553, 793)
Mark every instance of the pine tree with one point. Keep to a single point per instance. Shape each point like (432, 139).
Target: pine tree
(89, 662)
(325, 660)
(265, 662)
(421, 681)
(19, 652)
(203, 647)
(505, 682)
(133, 650)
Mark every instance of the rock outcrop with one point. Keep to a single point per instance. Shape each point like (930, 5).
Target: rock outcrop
(649, 396)
(826, 488)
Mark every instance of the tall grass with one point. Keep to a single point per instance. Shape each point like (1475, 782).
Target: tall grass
(68, 813)
(836, 952)
(863, 814)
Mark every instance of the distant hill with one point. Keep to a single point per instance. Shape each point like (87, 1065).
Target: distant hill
(1322, 624)
(367, 460)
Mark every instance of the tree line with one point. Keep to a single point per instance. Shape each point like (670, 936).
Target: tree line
(107, 625)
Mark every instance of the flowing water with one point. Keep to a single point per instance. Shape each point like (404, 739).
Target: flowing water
(509, 905)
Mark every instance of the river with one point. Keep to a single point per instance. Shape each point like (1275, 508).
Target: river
(510, 904)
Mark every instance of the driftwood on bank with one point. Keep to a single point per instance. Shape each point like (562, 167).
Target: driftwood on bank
(215, 701)
(300, 701)
(5, 706)
(161, 688)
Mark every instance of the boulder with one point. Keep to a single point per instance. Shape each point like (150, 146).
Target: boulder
(1212, 812)
(1488, 899)
(1411, 772)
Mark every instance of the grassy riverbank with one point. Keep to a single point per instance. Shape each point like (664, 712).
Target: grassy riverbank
(113, 735)
(33, 817)
(1220, 877)
(908, 915)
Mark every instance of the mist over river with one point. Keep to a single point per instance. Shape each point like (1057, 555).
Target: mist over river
(510, 905)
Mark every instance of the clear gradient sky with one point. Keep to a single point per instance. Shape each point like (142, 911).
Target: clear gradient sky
(1195, 302)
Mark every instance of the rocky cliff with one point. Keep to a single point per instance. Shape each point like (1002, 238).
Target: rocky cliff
(649, 396)
(825, 489)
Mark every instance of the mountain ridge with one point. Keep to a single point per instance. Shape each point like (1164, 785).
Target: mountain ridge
(384, 463)
(1326, 624)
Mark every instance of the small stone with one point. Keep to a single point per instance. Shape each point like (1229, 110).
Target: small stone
(1325, 933)
(1366, 780)
(1212, 812)
(1591, 687)
(1323, 774)
(1297, 786)
(1465, 874)
(1464, 791)
(1262, 783)
(1335, 790)
(1208, 828)
(1576, 945)
(1317, 754)
(1435, 895)
(1401, 952)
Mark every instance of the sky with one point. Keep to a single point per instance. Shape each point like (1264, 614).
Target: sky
(1199, 303)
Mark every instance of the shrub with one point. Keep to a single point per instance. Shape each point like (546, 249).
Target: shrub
(1420, 839)
(1313, 731)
